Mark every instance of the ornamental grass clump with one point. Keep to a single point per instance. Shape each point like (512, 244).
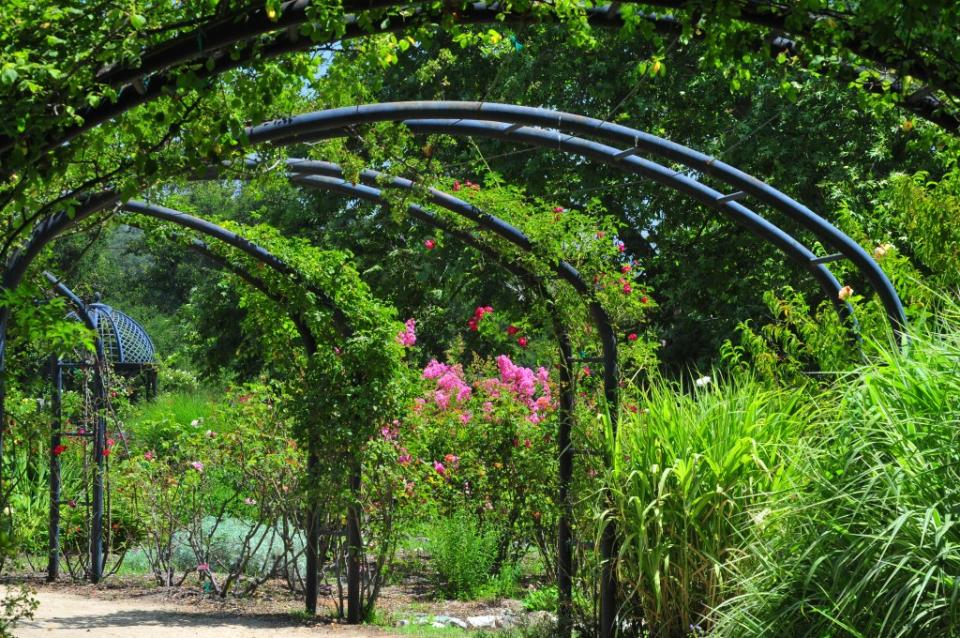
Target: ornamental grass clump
(873, 547)
(694, 469)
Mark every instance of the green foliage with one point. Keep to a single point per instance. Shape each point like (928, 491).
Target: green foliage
(169, 415)
(463, 554)
(927, 210)
(42, 325)
(871, 546)
(17, 605)
(546, 599)
(793, 342)
(221, 490)
(693, 474)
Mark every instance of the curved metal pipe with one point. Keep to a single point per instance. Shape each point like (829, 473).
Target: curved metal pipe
(333, 122)
(241, 243)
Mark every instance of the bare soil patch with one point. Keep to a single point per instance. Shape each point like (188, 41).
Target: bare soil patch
(72, 611)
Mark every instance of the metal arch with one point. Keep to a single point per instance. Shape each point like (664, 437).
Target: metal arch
(51, 227)
(564, 270)
(311, 585)
(563, 439)
(328, 176)
(508, 121)
(44, 227)
(705, 195)
(565, 567)
(239, 242)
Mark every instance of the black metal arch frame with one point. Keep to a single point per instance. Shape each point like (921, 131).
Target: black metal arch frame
(256, 252)
(315, 175)
(545, 128)
(564, 271)
(263, 256)
(538, 127)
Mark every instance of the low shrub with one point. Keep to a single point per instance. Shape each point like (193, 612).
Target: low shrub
(546, 599)
(463, 555)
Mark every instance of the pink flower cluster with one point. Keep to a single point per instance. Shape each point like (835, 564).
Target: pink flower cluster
(450, 383)
(529, 387)
(408, 336)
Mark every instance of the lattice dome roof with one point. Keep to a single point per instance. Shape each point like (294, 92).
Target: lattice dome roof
(125, 341)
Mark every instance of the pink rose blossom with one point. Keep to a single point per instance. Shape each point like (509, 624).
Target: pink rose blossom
(408, 336)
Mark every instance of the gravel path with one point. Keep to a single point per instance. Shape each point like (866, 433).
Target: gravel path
(63, 615)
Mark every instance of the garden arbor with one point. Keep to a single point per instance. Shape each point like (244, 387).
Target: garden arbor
(563, 132)
(120, 345)
(530, 280)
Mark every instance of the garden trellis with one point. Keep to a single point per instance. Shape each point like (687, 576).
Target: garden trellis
(233, 41)
(121, 345)
(567, 401)
(539, 127)
(525, 125)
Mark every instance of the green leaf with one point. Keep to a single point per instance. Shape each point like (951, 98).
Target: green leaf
(9, 75)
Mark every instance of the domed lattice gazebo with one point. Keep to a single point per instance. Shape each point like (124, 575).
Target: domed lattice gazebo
(126, 345)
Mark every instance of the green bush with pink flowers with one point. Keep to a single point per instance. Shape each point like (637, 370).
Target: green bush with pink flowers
(481, 441)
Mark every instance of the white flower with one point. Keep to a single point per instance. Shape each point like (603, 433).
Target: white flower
(845, 293)
(703, 381)
(195, 423)
(881, 251)
(759, 517)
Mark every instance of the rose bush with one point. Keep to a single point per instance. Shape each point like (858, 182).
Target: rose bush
(482, 441)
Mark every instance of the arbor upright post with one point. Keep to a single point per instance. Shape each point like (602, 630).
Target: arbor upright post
(53, 531)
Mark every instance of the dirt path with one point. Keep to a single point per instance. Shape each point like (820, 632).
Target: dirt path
(63, 615)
